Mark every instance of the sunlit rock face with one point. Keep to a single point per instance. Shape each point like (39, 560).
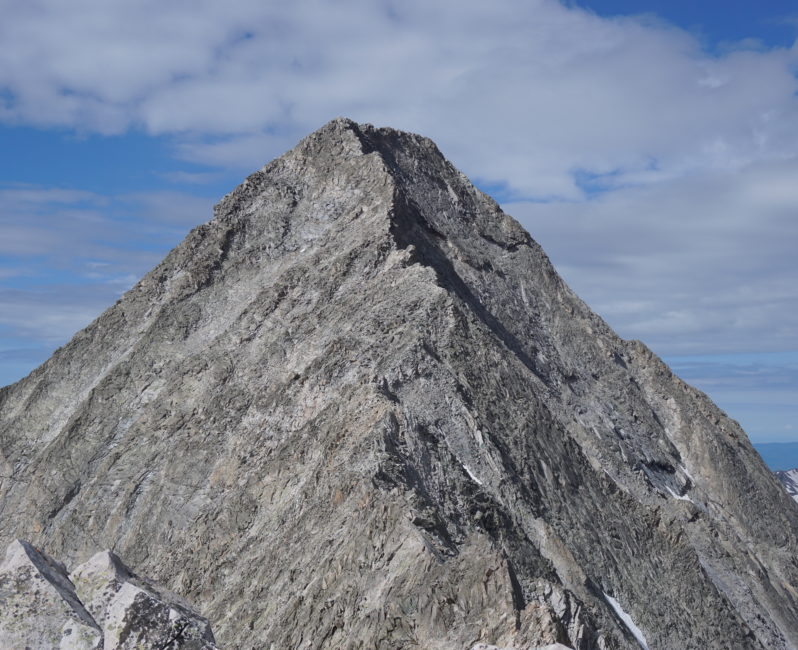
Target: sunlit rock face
(360, 409)
(101, 605)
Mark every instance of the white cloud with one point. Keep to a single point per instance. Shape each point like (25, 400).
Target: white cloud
(247, 151)
(758, 390)
(68, 255)
(165, 208)
(50, 315)
(704, 263)
(191, 178)
(53, 236)
(519, 93)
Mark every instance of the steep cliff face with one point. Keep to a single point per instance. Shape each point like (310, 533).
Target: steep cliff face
(359, 409)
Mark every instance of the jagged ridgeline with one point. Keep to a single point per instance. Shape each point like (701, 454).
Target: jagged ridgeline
(360, 409)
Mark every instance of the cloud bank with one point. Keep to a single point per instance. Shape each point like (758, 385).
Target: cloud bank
(531, 96)
(703, 263)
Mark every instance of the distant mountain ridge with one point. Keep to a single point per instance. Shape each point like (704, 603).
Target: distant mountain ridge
(789, 479)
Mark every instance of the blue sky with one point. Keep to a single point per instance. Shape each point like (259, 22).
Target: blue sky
(651, 148)
(717, 23)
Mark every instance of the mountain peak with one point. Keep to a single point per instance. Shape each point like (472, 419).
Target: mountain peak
(402, 175)
(359, 408)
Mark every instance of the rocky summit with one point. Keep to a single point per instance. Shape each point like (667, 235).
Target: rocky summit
(360, 409)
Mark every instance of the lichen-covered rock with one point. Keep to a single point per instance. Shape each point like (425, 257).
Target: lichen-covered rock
(100, 606)
(38, 604)
(360, 410)
(135, 613)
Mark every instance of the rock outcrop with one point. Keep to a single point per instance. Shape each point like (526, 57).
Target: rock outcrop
(360, 409)
(99, 606)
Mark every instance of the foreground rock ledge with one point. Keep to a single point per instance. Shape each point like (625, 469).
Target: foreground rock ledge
(101, 605)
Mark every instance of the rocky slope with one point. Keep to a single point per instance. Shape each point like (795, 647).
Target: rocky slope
(99, 606)
(359, 409)
(789, 479)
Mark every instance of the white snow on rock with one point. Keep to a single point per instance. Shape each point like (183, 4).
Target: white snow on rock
(471, 474)
(627, 621)
(687, 473)
(679, 496)
(789, 479)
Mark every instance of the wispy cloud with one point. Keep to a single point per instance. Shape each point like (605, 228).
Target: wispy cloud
(67, 255)
(50, 313)
(74, 227)
(191, 178)
(695, 264)
(760, 390)
(166, 209)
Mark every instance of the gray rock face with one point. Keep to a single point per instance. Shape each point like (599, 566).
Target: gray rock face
(100, 606)
(359, 409)
(38, 604)
(552, 646)
(789, 479)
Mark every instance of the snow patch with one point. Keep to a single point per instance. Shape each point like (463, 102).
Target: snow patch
(627, 621)
(679, 496)
(471, 474)
(687, 473)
